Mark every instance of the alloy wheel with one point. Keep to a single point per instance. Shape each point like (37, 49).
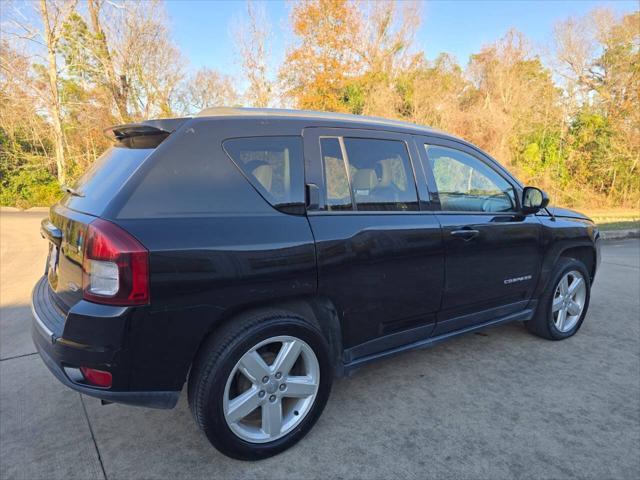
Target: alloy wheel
(568, 301)
(271, 389)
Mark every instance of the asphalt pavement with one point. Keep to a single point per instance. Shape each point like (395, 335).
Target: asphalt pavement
(496, 404)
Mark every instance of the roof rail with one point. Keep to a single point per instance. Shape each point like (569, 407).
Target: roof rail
(283, 112)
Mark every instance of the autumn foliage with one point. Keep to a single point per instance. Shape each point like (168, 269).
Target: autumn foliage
(567, 121)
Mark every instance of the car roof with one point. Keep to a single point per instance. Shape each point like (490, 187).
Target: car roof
(355, 120)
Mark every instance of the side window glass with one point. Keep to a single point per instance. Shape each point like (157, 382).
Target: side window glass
(467, 184)
(273, 165)
(336, 181)
(381, 175)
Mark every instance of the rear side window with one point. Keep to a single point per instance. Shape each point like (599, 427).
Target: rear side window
(338, 193)
(381, 175)
(105, 177)
(273, 165)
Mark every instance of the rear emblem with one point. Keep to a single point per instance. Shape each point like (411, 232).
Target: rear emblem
(73, 287)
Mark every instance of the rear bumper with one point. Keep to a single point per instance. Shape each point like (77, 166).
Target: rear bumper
(63, 357)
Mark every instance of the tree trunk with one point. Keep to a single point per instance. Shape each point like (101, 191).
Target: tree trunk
(117, 85)
(55, 109)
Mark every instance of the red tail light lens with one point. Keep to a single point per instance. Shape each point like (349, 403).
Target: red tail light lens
(99, 378)
(115, 266)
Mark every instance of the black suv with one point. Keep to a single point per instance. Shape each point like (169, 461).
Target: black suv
(256, 254)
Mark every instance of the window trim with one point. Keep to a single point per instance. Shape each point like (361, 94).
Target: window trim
(314, 167)
(345, 164)
(493, 165)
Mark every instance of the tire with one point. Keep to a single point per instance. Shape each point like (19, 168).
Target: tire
(547, 322)
(219, 377)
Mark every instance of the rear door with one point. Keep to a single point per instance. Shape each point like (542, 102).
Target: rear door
(493, 252)
(379, 248)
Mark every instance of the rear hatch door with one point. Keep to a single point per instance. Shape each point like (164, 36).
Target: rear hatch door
(66, 227)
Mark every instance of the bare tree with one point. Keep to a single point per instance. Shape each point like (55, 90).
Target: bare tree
(252, 45)
(385, 51)
(52, 15)
(151, 62)
(116, 84)
(389, 30)
(208, 88)
(18, 118)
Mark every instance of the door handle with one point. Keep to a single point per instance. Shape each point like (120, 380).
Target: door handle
(313, 196)
(466, 234)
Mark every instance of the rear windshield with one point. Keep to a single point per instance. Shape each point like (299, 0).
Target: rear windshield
(105, 177)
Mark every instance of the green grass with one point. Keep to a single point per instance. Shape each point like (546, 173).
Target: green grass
(621, 225)
(614, 218)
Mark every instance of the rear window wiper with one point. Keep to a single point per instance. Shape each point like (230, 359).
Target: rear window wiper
(72, 191)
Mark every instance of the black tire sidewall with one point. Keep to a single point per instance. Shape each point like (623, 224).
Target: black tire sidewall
(214, 423)
(567, 266)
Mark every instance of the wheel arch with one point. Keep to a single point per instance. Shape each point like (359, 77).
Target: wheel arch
(318, 310)
(585, 254)
(582, 251)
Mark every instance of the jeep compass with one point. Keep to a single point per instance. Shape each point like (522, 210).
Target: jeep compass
(255, 254)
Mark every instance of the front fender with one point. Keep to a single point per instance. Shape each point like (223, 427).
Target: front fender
(579, 236)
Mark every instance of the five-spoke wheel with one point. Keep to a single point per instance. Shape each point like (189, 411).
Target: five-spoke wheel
(271, 389)
(568, 300)
(564, 302)
(260, 382)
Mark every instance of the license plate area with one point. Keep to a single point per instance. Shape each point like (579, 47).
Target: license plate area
(52, 265)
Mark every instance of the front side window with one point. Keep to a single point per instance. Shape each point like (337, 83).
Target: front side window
(466, 184)
(380, 174)
(273, 165)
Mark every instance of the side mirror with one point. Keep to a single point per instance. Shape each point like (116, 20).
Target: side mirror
(533, 200)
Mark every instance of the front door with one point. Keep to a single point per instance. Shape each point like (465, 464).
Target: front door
(379, 251)
(493, 252)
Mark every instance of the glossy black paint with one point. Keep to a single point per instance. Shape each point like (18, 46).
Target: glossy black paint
(66, 279)
(376, 282)
(479, 270)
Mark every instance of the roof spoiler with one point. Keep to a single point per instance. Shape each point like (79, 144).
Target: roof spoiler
(148, 134)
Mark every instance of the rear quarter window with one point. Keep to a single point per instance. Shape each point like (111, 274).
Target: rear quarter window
(273, 165)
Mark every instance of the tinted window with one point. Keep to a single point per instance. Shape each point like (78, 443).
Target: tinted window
(381, 175)
(338, 194)
(105, 177)
(467, 184)
(272, 164)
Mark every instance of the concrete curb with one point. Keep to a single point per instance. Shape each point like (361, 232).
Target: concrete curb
(619, 234)
(20, 210)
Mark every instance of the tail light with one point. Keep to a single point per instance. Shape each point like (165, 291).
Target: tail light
(115, 268)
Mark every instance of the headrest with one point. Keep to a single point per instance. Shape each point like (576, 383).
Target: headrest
(364, 180)
(384, 173)
(264, 174)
